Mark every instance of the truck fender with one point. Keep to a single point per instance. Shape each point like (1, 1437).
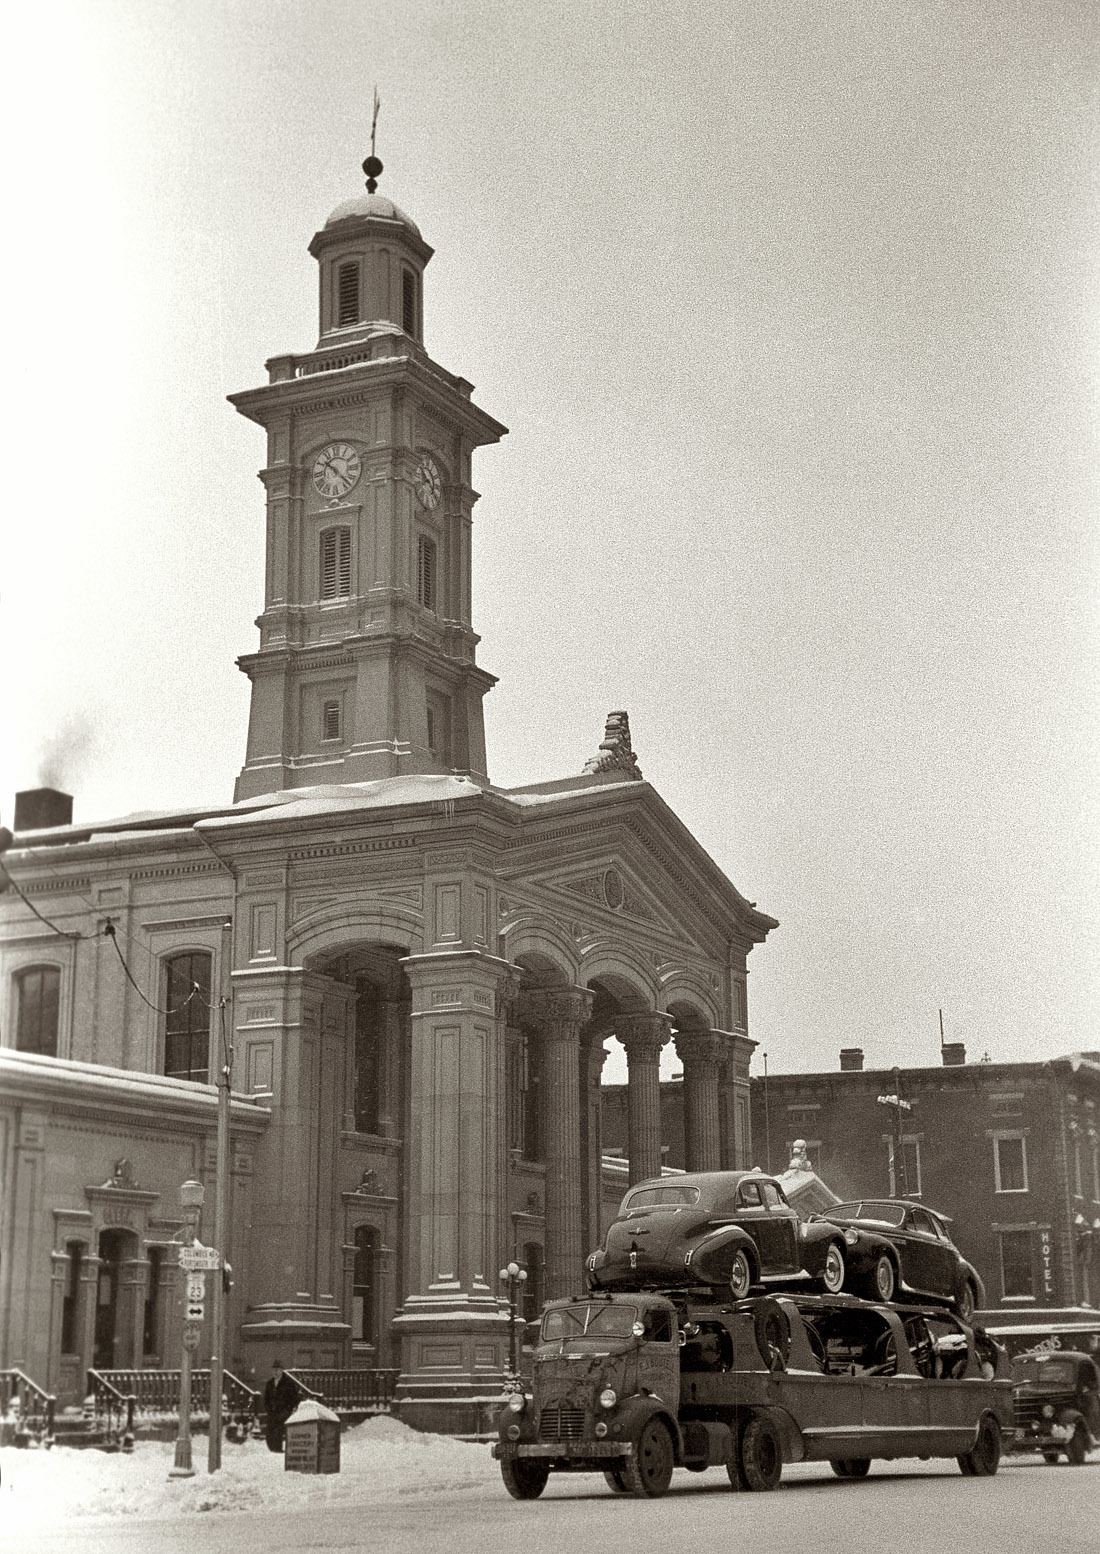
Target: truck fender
(1071, 1416)
(638, 1411)
(794, 1449)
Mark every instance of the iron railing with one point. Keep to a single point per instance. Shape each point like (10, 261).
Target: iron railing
(27, 1408)
(349, 1389)
(154, 1395)
(112, 1411)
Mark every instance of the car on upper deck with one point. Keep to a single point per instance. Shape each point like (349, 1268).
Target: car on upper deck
(926, 1262)
(732, 1229)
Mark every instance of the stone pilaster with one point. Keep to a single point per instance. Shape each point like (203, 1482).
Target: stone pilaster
(643, 1036)
(558, 1014)
(593, 1057)
(701, 1052)
(453, 1325)
(734, 1116)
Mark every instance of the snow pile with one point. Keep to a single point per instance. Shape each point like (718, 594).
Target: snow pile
(380, 1459)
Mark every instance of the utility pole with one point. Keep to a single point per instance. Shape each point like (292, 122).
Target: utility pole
(221, 1242)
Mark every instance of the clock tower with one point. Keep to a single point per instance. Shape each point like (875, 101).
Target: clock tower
(367, 660)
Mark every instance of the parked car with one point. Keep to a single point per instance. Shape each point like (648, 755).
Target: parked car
(731, 1228)
(1057, 1404)
(925, 1261)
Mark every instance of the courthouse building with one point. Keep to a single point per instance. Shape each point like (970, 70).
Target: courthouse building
(418, 971)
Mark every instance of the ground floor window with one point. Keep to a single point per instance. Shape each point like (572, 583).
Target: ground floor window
(365, 1286)
(70, 1306)
(1017, 1264)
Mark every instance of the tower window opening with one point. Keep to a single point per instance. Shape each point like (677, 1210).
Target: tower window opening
(330, 720)
(425, 572)
(38, 994)
(336, 564)
(408, 302)
(347, 295)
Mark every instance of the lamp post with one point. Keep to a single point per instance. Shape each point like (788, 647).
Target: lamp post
(514, 1277)
(192, 1194)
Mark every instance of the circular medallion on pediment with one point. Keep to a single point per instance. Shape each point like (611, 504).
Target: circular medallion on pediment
(613, 892)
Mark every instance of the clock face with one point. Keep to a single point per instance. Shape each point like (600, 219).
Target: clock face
(427, 483)
(336, 470)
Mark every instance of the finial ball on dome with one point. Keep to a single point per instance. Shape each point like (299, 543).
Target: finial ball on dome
(372, 167)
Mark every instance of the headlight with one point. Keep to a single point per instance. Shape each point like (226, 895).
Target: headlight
(513, 1432)
(1048, 1411)
(601, 1429)
(851, 1236)
(517, 1402)
(608, 1397)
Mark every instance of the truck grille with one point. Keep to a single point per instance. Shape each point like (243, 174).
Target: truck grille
(561, 1422)
(1028, 1407)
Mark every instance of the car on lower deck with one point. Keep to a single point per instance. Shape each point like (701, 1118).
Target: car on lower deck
(927, 1263)
(732, 1229)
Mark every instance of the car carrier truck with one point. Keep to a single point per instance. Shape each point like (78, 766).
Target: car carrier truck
(635, 1384)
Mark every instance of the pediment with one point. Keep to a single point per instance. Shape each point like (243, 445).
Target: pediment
(610, 890)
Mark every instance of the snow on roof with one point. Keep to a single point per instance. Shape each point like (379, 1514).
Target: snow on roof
(338, 797)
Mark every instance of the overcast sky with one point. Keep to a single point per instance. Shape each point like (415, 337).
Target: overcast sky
(792, 310)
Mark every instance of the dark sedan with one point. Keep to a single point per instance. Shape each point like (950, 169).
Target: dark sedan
(729, 1228)
(926, 1261)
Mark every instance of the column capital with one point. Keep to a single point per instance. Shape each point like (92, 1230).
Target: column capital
(594, 1055)
(700, 1047)
(643, 1034)
(557, 1012)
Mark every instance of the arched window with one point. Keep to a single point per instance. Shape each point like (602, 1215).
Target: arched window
(347, 295)
(37, 1000)
(409, 309)
(425, 572)
(187, 1022)
(364, 1293)
(335, 563)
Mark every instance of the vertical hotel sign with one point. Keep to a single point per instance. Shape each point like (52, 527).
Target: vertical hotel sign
(1046, 1259)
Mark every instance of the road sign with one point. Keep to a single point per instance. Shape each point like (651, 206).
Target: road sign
(199, 1259)
(196, 1310)
(191, 1333)
(196, 1286)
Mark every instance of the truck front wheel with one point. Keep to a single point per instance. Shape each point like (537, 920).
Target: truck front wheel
(983, 1458)
(613, 1477)
(1078, 1447)
(649, 1472)
(761, 1454)
(524, 1477)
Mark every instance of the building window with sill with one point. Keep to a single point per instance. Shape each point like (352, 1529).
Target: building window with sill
(336, 564)
(1017, 1265)
(1010, 1162)
(37, 1005)
(187, 1020)
(70, 1303)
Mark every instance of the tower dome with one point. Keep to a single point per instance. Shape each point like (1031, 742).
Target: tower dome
(372, 207)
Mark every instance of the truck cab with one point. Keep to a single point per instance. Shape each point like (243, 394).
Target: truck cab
(1057, 1404)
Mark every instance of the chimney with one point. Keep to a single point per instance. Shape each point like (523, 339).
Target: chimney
(851, 1060)
(953, 1054)
(37, 808)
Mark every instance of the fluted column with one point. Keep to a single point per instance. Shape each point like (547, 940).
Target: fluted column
(558, 1014)
(700, 1053)
(593, 1057)
(643, 1036)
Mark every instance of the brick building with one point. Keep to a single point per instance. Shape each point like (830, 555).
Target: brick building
(1010, 1151)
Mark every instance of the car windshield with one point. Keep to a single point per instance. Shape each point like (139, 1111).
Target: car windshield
(647, 1197)
(589, 1319)
(883, 1213)
(1048, 1373)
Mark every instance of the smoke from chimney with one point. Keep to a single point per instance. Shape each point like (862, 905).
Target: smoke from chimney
(65, 753)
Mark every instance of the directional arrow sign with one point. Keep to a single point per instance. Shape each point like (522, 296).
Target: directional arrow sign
(195, 1311)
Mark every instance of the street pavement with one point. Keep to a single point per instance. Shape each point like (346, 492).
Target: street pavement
(921, 1507)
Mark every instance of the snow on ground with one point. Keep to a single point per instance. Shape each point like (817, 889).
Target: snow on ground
(380, 1459)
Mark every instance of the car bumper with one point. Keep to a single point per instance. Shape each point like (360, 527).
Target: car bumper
(563, 1451)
